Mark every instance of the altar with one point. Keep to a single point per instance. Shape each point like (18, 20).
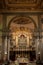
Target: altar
(23, 61)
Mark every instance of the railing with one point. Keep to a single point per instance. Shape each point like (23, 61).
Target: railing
(22, 49)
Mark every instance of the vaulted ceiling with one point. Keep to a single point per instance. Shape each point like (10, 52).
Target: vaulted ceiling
(21, 5)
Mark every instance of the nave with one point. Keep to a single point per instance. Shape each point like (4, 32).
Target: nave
(21, 32)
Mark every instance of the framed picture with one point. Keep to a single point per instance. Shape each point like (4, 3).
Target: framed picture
(22, 41)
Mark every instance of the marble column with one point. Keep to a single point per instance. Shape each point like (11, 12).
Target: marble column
(0, 46)
(37, 44)
(3, 35)
(8, 47)
(41, 53)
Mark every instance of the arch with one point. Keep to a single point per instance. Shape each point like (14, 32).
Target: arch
(21, 18)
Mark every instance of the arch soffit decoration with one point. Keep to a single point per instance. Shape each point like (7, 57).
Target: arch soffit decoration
(22, 20)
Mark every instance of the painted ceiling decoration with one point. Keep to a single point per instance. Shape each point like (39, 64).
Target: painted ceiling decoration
(21, 20)
(21, 5)
(22, 23)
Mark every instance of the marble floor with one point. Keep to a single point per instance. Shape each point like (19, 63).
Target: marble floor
(28, 64)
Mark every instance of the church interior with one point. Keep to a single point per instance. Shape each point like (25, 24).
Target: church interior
(21, 32)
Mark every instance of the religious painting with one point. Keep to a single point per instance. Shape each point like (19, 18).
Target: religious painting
(22, 41)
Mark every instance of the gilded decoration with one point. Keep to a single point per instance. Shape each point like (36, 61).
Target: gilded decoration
(22, 5)
(21, 1)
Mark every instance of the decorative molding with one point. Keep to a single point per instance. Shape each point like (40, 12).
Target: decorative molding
(22, 21)
(21, 1)
(23, 5)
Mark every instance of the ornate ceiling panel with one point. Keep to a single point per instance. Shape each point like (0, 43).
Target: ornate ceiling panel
(23, 5)
(22, 1)
(22, 20)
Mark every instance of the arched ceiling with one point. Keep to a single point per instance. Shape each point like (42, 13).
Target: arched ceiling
(21, 5)
(22, 21)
